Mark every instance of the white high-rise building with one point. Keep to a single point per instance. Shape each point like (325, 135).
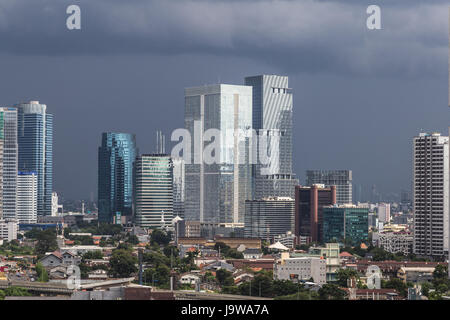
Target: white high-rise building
(218, 182)
(9, 162)
(431, 194)
(178, 187)
(27, 197)
(384, 212)
(272, 117)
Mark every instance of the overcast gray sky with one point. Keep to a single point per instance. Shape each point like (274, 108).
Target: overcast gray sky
(359, 95)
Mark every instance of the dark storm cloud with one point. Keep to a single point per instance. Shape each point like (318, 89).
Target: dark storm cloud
(359, 95)
(296, 36)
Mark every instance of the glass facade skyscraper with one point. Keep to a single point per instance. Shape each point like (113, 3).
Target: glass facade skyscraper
(35, 139)
(272, 117)
(116, 157)
(215, 191)
(153, 197)
(10, 161)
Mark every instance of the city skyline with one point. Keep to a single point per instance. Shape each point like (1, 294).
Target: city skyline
(339, 107)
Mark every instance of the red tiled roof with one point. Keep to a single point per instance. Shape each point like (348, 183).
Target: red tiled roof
(57, 254)
(345, 254)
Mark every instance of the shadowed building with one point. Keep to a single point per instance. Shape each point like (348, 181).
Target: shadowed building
(342, 179)
(309, 202)
(116, 158)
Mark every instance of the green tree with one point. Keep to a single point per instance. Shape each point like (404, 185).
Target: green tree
(343, 275)
(171, 251)
(396, 284)
(285, 287)
(224, 277)
(426, 286)
(132, 239)
(331, 291)
(96, 254)
(234, 254)
(41, 273)
(261, 285)
(15, 292)
(230, 289)
(46, 242)
(160, 237)
(122, 263)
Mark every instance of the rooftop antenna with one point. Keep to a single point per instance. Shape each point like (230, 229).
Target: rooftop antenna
(160, 142)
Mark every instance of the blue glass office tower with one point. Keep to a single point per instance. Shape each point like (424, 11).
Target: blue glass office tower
(35, 139)
(116, 157)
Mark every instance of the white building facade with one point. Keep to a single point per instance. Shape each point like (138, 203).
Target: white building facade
(8, 230)
(431, 194)
(27, 197)
(303, 268)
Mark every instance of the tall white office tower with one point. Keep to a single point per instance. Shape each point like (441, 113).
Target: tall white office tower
(431, 195)
(9, 162)
(27, 196)
(153, 190)
(178, 187)
(272, 117)
(384, 212)
(218, 173)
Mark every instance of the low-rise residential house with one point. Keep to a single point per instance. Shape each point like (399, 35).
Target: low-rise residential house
(265, 264)
(390, 269)
(416, 274)
(346, 257)
(56, 258)
(241, 276)
(219, 264)
(98, 274)
(189, 278)
(372, 294)
(203, 261)
(252, 253)
(97, 262)
(59, 272)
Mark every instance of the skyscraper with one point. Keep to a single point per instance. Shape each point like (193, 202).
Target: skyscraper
(178, 187)
(27, 196)
(216, 189)
(342, 179)
(153, 196)
(10, 161)
(116, 157)
(430, 194)
(309, 202)
(1, 163)
(35, 139)
(272, 117)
